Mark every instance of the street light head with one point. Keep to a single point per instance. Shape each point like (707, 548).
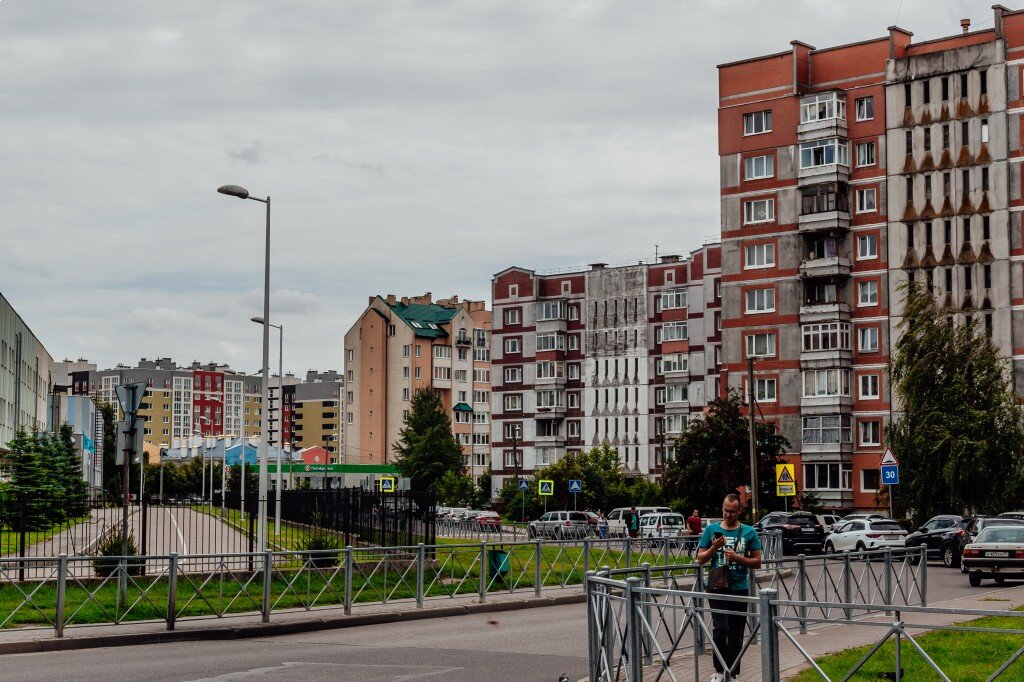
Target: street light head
(257, 319)
(234, 191)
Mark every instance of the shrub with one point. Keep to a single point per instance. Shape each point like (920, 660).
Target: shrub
(315, 548)
(109, 551)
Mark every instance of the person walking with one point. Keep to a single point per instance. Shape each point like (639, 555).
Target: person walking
(734, 548)
(693, 526)
(602, 525)
(633, 522)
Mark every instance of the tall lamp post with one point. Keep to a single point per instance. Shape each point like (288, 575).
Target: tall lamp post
(280, 398)
(261, 516)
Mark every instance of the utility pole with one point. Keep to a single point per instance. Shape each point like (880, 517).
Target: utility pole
(515, 460)
(754, 506)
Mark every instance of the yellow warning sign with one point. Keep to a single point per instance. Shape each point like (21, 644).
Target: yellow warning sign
(785, 480)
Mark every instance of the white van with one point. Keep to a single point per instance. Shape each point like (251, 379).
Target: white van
(617, 519)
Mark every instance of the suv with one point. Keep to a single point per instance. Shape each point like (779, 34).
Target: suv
(953, 542)
(660, 525)
(560, 525)
(932, 533)
(617, 518)
(828, 521)
(800, 530)
(860, 535)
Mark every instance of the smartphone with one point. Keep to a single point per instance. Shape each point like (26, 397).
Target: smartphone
(717, 535)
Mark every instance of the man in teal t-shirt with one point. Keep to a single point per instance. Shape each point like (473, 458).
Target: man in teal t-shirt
(732, 544)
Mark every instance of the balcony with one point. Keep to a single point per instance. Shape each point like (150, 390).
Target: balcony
(556, 382)
(835, 266)
(822, 115)
(556, 412)
(675, 406)
(824, 221)
(824, 311)
(831, 357)
(463, 341)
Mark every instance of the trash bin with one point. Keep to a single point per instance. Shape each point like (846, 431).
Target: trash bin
(497, 562)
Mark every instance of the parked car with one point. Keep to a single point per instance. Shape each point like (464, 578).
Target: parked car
(441, 512)
(592, 521)
(932, 533)
(862, 535)
(828, 521)
(996, 552)
(1013, 515)
(801, 531)
(560, 525)
(861, 515)
(706, 521)
(456, 514)
(617, 518)
(488, 521)
(953, 542)
(662, 526)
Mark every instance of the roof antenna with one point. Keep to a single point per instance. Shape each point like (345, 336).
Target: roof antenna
(655, 252)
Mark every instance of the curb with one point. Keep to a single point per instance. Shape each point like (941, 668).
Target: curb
(277, 629)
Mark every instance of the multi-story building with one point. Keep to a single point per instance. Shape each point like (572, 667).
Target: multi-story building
(399, 346)
(620, 355)
(317, 420)
(845, 172)
(26, 375)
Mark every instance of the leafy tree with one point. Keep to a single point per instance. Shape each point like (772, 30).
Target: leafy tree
(426, 447)
(713, 458)
(111, 472)
(810, 501)
(455, 489)
(518, 504)
(960, 435)
(482, 494)
(598, 470)
(30, 486)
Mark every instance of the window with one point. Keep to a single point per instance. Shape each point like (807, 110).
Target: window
(760, 300)
(945, 136)
(481, 438)
(824, 153)
(671, 300)
(513, 375)
(757, 122)
(826, 336)
(574, 312)
(986, 231)
(986, 275)
(764, 390)
(482, 376)
(513, 290)
(868, 386)
(965, 133)
(513, 459)
(870, 433)
(462, 417)
(405, 394)
(821, 107)
(674, 362)
(866, 154)
(963, 85)
(870, 480)
(419, 351)
(462, 375)
(759, 255)
(550, 370)
(823, 197)
(984, 130)
(513, 402)
(821, 383)
(572, 429)
(867, 292)
(550, 341)
(348, 418)
(551, 310)
(443, 352)
(823, 476)
(574, 400)
(443, 373)
(550, 399)
(513, 345)
(676, 331)
(827, 430)
(945, 88)
(984, 179)
(867, 339)
(927, 92)
(573, 371)
(350, 355)
(757, 167)
(574, 342)
(513, 316)
(760, 345)
(758, 211)
(418, 372)
(866, 200)
(867, 246)
(865, 108)
(984, 81)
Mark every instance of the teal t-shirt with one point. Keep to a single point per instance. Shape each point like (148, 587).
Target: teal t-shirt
(740, 540)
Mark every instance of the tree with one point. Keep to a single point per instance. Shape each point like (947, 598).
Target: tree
(713, 458)
(455, 490)
(959, 436)
(482, 494)
(426, 447)
(111, 472)
(30, 487)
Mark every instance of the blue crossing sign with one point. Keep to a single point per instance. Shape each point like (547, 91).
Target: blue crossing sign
(524, 485)
(890, 474)
(575, 485)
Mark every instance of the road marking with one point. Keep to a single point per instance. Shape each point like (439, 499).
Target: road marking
(429, 671)
(177, 528)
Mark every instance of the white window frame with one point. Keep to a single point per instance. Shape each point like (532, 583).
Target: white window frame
(863, 242)
(758, 211)
(757, 122)
(673, 300)
(549, 398)
(549, 369)
(867, 200)
(757, 256)
(551, 310)
(761, 345)
(672, 362)
(442, 373)
(840, 153)
(574, 342)
(870, 287)
(512, 402)
(513, 345)
(766, 390)
(672, 331)
(758, 167)
(823, 106)
(513, 375)
(820, 424)
(840, 471)
(866, 333)
(825, 336)
(759, 300)
(866, 383)
(864, 151)
(513, 316)
(826, 383)
(869, 490)
(550, 341)
(877, 435)
(572, 371)
(442, 352)
(863, 104)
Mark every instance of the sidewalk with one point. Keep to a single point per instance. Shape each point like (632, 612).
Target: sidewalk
(821, 640)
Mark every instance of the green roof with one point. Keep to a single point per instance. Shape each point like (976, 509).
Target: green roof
(462, 407)
(425, 320)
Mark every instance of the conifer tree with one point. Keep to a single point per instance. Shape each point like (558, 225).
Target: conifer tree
(426, 447)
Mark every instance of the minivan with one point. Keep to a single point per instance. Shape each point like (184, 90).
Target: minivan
(617, 519)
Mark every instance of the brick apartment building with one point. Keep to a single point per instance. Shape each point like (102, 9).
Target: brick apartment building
(846, 171)
(620, 354)
(401, 345)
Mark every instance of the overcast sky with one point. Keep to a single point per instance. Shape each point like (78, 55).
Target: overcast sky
(407, 146)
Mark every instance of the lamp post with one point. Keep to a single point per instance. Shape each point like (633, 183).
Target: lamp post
(198, 428)
(280, 398)
(261, 516)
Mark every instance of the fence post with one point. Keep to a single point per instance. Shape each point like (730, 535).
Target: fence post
(648, 644)
(698, 606)
(538, 574)
(634, 667)
(420, 559)
(769, 636)
(847, 583)
(923, 585)
(172, 591)
(899, 647)
(62, 584)
(348, 580)
(586, 557)
(268, 564)
(887, 597)
(801, 568)
(665, 553)
(593, 645)
(629, 552)
(21, 538)
(483, 571)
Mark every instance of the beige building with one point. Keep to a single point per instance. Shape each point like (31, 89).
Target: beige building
(399, 346)
(26, 375)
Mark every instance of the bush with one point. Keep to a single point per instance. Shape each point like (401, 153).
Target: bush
(315, 547)
(108, 554)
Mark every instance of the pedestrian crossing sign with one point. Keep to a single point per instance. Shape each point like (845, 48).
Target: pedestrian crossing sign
(546, 487)
(785, 480)
(387, 484)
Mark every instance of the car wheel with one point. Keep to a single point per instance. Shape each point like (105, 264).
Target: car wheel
(830, 548)
(1000, 580)
(949, 557)
(975, 579)
(861, 547)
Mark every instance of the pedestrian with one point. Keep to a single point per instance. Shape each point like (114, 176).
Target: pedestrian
(693, 526)
(602, 525)
(633, 522)
(735, 549)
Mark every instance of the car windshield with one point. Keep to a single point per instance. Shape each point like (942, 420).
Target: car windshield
(989, 523)
(801, 520)
(885, 525)
(674, 520)
(1011, 534)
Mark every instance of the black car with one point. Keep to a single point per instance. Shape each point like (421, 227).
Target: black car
(933, 532)
(953, 542)
(801, 531)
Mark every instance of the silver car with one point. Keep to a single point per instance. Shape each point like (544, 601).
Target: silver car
(560, 525)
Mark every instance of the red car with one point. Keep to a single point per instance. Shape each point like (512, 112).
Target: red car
(489, 521)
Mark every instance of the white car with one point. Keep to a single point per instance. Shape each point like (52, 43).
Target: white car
(860, 535)
(997, 552)
(662, 525)
(829, 522)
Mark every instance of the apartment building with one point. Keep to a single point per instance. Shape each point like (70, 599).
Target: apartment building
(401, 345)
(26, 376)
(317, 420)
(619, 354)
(846, 171)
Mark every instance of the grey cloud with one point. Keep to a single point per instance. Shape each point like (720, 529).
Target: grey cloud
(251, 155)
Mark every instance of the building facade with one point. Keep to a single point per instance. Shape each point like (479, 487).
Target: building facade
(619, 355)
(26, 376)
(845, 172)
(401, 345)
(317, 420)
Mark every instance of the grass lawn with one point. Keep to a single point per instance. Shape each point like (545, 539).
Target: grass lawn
(963, 656)
(9, 539)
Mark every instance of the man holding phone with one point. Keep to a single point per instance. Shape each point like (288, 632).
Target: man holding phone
(737, 547)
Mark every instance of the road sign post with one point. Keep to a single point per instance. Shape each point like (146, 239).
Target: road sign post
(545, 488)
(130, 397)
(524, 486)
(890, 472)
(785, 482)
(575, 487)
(387, 484)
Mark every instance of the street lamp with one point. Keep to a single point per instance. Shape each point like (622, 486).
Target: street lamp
(280, 398)
(261, 525)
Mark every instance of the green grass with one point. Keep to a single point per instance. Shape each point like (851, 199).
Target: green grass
(963, 656)
(450, 571)
(291, 534)
(10, 539)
